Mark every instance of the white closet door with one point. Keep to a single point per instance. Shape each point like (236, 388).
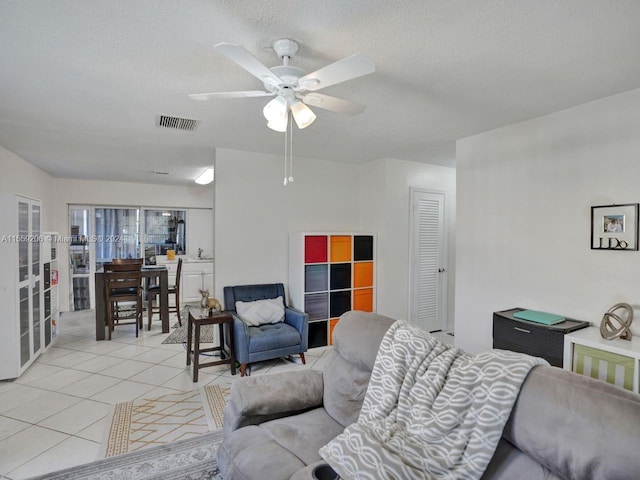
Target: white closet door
(428, 271)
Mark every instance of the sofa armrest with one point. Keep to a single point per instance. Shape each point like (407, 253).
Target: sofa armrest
(300, 321)
(258, 399)
(241, 337)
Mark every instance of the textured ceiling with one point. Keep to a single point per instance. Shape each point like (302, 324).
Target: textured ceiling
(81, 82)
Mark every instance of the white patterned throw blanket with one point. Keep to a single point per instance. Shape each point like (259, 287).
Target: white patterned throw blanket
(431, 411)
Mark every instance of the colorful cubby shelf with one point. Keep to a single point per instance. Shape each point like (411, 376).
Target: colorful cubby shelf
(329, 274)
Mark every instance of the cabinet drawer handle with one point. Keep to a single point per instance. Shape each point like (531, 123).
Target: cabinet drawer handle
(522, 330)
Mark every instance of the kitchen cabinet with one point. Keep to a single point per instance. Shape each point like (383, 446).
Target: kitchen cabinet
(196, 275)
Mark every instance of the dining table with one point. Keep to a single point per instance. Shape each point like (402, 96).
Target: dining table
(158, 272)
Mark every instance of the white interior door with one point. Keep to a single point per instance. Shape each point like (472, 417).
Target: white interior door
(428, 255)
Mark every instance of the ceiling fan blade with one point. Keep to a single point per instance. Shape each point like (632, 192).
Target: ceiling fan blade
(247, 93)
(351, 67)
(246, 60)
(334, 104)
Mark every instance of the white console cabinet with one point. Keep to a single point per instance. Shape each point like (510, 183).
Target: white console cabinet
(21, 285)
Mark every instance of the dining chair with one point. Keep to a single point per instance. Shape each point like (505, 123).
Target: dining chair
(127, 261)
(154, 290)
(122, 283)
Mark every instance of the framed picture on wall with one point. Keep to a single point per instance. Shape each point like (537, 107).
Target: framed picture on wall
(614, 227)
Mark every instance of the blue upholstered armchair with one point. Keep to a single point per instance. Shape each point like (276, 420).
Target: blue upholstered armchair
(269, 340)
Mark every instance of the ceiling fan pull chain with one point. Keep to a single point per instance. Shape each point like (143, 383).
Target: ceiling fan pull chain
(288, 151)
(285, 158)
(290, 147)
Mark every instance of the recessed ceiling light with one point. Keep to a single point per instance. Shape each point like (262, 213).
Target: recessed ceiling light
(205, 177)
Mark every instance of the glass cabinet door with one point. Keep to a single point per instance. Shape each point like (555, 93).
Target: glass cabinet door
(25, 332)
(35, 243)
(37, 333)
(23, 244)
(23, 279)
(29, 279)
(35, 272)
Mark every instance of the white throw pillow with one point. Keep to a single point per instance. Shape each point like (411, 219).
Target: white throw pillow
(261, 312)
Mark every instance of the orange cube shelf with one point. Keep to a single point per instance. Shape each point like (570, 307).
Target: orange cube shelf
(363, 299)
(363, 274)
(332, 323)
(340, 248)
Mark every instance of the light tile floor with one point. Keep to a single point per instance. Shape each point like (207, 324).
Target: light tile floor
(54, 416)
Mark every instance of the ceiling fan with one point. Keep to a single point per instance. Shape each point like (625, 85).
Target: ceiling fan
(292, 88)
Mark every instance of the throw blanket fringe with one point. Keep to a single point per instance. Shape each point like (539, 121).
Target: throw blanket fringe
(431, 411)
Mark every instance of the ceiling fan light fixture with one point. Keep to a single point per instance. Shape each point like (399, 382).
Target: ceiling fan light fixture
(302, 114)
(205, 177)
(275, 109)
(278, 124)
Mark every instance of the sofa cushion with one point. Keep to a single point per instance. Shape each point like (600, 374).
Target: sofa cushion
(250, 453)
(348, 366)
(577, 427)
(345, 386)
(304, 434)
(271, 336)
(260, 312)
(359, 336)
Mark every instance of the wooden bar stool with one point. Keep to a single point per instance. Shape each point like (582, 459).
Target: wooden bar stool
(196, 321)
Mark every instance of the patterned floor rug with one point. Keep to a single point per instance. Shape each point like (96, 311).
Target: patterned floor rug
(148, 422)
(190, 459)
(179, 335)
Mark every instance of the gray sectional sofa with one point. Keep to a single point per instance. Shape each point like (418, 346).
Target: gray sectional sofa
(563, 426)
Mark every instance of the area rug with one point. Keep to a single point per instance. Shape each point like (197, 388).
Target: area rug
(179, 335)
(190, 459)
(148, 422)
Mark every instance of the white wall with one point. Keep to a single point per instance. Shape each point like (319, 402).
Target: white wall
(92, 192)
(386, 207)
(524, 198)
(20, 177)
(254, 212)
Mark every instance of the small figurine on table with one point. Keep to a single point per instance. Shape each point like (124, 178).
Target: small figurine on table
(210, 303)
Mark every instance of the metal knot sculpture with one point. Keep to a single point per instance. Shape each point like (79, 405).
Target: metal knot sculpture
(614, 325)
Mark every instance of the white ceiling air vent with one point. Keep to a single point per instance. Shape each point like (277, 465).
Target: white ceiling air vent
(176, 122)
